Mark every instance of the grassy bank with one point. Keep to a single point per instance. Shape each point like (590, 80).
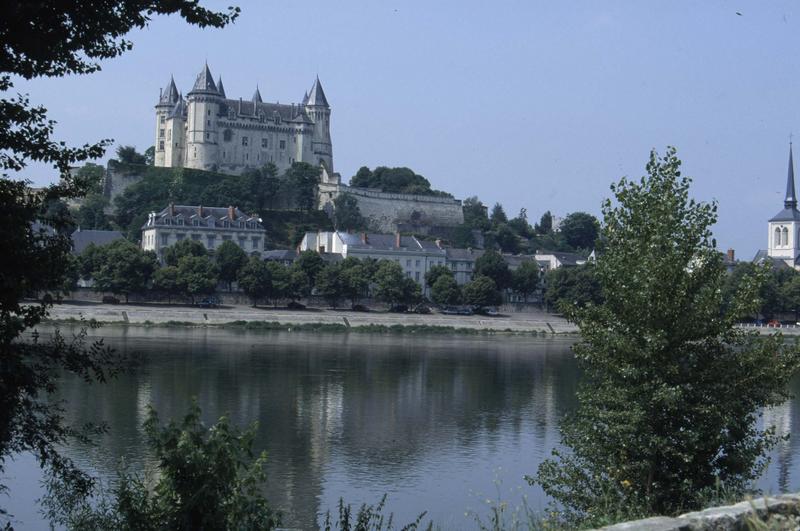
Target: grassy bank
(395, 329)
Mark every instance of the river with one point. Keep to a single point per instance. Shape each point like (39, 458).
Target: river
(438, 423)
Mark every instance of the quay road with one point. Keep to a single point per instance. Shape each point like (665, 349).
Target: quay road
(162, 314)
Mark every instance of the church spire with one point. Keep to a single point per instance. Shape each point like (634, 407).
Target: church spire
(791, 197)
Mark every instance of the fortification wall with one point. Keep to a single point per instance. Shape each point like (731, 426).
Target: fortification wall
(388, 212)
(116, 180)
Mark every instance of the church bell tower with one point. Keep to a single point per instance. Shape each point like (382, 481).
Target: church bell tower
(784, 227)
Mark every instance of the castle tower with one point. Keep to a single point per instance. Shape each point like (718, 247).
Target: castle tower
(175, 152)
(203, 106)
(784, 227)
(166, 101)
(319, 112)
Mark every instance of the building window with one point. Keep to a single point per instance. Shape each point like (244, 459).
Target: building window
(162, 119)
(161, 145)
(257, 244)
(165, 239)
(416, 276)
(196, 237)
(194, 152)
(208, 123)
(245, 141)
(210, 240)
(161, 133)
(209, 112)
(226, 238)
(179, 237)
(785, 239)
(283, 144)
(408, 263)
(265, 142)
(227, 134)
(242, 243)
(417, 264)
(208, 136)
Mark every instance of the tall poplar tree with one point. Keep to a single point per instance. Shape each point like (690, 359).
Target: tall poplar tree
(672, 389)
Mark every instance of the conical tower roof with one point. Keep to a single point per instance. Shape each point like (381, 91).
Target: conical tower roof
(791, 198)
(220, 88)
(257, 96)
(317, 96)
(204, 82)
(170, 94)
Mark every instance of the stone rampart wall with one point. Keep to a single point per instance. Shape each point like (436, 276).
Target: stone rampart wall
(117, 180)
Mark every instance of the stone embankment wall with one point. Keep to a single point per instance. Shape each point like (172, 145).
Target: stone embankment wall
(769, 512)
(116, 181)
(386, 212)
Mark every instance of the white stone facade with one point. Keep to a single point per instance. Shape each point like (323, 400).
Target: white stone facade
(783, 237)
(208, 131)
(210, 226)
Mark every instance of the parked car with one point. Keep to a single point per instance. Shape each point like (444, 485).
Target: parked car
(294, 305)
(774, 323)
(489, 312)
(108, 299)
(423, 309)
(209, 302)
(465, 311)
(449, 310)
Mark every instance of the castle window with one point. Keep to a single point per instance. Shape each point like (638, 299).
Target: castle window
(164, 239)
(245, 141)
(209, 112)
(227, 135)
(247, 156)
(265, 142)
(208, 135)
(257, 243)
(208, 122)
(161, 145)
(242, 243)
(162, 119)
(194, 152)
(283, 144)
(161, 133)
(210, 239)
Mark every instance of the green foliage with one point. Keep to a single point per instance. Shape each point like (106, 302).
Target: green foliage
(393, 286)
(521, 226)
(90, 176)
(492, 265)
(185, 247)
(129, 155)
(302, 178)
(481, 291)
(70, 38)
(572, 286)
(346, 214)
(310, 263)
(207, 478)
(197, 275)
(230, 258)
(262, 186)
(279, 285)
(498, 215)
(446, 291)
(779, 293)
(580, 230)
(545, 225)
(672, 389)
(525, 279)
(91, 213)
(394, 180)
(124, 269)
(165, 280)
(475, 216)
(355, 279)
(150, 156)
(463, 237)
(368, 518)
(433, 274)
(507, 239)
(298, 284)
(329, 283)
(255, 279)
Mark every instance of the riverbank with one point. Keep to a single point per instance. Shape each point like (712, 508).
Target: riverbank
(326, 320)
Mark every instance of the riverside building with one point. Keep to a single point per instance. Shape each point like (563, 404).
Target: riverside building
(208, 225)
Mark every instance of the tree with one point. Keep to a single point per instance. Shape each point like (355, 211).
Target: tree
(255, 279)
(185, 247)
(520, 224)
(433, 274)
(71, 38)
(279, 285)
(299, 286)
(165, 280)
(90, 176)
(475, 216)
(91, 213)
(507, 239)
(394, 180)
(481, 291)
(355, 282)
(208, 478)
(129, 155)
(672, 389)
(393, 286)
(302, 179)
(329, 284)
(311, 264)
(545, 225)
(150, 156)
(346, 214)
(124, 269)
(492, 265)
(572, 287)
(580, 230)
(230, 259)
(525, 279)
(197, 275)
(498, 215)
(446, 291)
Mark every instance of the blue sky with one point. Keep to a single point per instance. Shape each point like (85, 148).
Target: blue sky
(528, 103)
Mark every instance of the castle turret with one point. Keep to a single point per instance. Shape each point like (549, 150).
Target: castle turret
(220, 88)
(319, 112)
(203, 103)
(166, 101)
(257, 96)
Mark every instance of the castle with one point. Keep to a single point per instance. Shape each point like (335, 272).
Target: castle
(208, 131)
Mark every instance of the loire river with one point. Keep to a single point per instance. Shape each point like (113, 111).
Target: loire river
(438, 423)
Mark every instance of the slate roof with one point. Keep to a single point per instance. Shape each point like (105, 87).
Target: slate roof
(287, 112)
(317, 96)
(204, 82)
(220, 88)
(82, 238)
(566, 259)
(280, 255)
(170, 94)
(189, 211)
(179, 110)
(777, 263)
(464, 254)
(257, 96)
(787, 214)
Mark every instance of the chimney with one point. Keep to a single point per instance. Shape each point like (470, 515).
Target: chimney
(731, 255)
(364, 238)
(231, 213)
(200, 211)
(172, 209)
(439, 244)
(397, 239)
